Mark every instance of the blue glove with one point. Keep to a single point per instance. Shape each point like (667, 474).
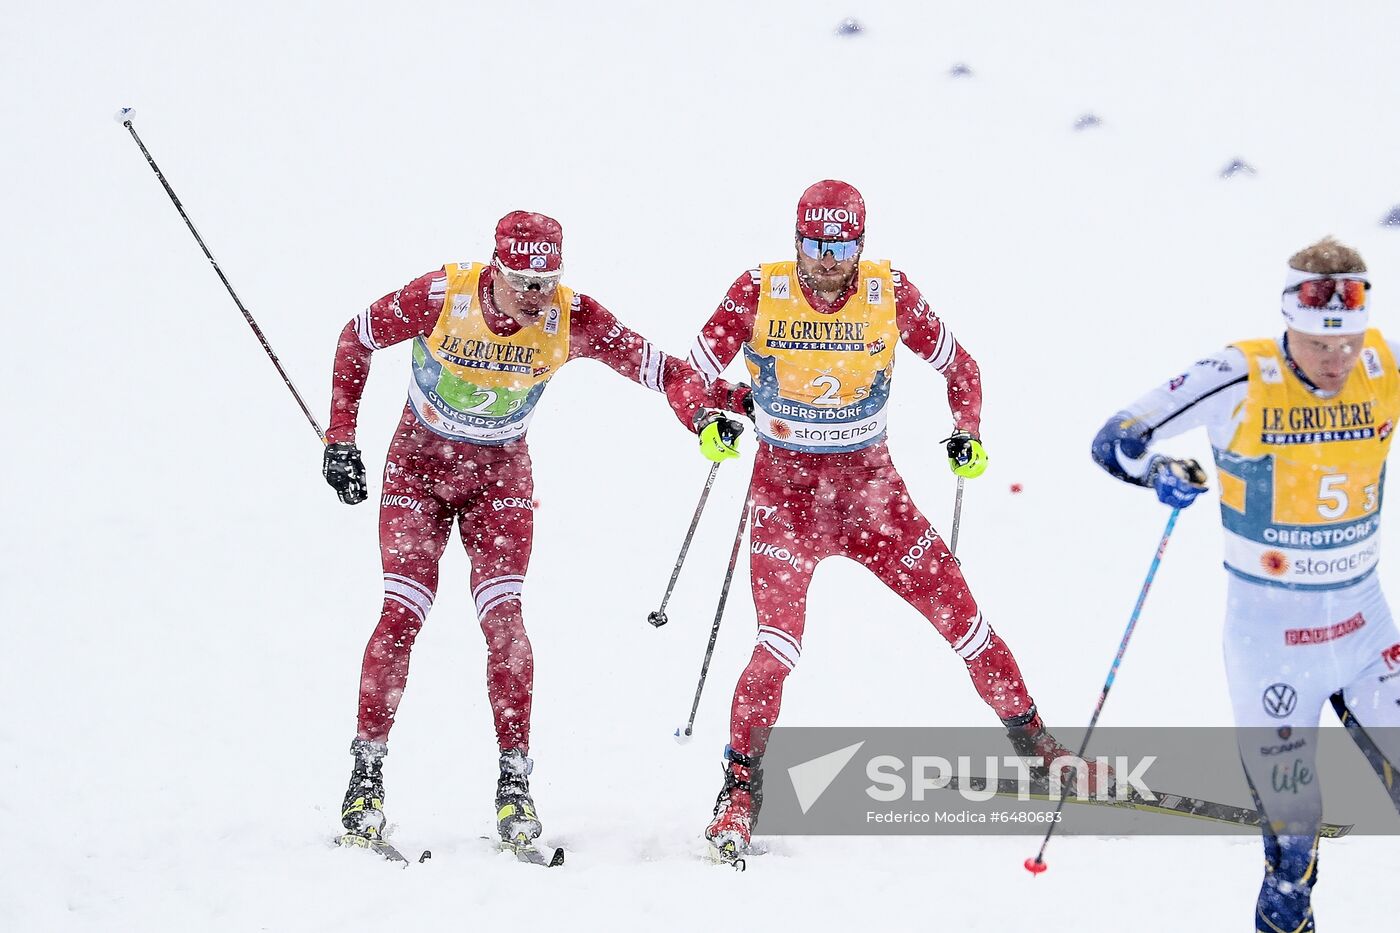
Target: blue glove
(1177, 482)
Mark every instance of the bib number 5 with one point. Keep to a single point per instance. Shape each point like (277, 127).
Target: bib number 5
(1333, 500)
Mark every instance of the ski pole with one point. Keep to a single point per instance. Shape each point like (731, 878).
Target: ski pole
(957, 519)
(684, 737)
(124, 117)
(1037, 865)
(658, 618)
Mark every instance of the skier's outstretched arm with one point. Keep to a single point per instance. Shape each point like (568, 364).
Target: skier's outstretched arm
(594, 333)
(1208, 394)
(696, 387)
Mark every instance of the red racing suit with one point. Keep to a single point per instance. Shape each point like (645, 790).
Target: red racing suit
(432, 480)
(844, 499)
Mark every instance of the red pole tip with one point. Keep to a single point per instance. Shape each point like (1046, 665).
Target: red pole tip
(1035, 866)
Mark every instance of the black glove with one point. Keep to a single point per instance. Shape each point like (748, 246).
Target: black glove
(345, 472)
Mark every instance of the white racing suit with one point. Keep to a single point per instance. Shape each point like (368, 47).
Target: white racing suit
(1306, 624)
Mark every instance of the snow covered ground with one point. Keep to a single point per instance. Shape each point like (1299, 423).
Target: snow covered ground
(184, 602)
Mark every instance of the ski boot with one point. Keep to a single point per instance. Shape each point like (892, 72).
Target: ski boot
(1031, 739)
(515, 809)
(1290, 871)
(736, 807)
(516, 820)
(362, 813)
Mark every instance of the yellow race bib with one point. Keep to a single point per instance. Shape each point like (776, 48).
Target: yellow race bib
(1301, 481)
(822, 381)
(471, 384)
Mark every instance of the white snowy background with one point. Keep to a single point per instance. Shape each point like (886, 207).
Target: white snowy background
(184, 602)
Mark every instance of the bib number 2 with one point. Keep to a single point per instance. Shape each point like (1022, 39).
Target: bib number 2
(832, 395)
(490, 399)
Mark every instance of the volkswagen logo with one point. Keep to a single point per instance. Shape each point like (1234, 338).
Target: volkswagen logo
(1279, 700)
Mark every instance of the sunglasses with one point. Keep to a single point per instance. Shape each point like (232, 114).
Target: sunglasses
(841, 250)
(1318, 293)
(545, 282)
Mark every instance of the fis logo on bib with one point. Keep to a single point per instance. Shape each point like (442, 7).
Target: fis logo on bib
(1280, 700)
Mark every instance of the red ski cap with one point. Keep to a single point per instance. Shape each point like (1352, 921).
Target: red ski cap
(528, 242)
(831, 210)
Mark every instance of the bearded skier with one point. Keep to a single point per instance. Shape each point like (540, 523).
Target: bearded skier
(818, 336)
